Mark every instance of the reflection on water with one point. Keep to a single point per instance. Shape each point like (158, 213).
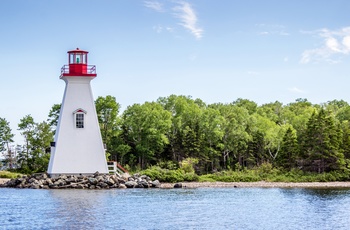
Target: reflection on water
(73, 205)
(204, 208)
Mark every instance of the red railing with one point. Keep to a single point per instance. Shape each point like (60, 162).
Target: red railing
(78, 69)
(121, 167)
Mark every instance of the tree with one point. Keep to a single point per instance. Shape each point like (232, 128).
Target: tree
(273, 134)
(322, 142)
(34, 154)
(211, 134)
(297, 114)
(183, 136)
(107, 110)
(346, 139)
(6, 138)
(27, 128)
(272, 111)
(250, 106)
(54, 115)
(145, 127)
(235, 138)
(289, 149)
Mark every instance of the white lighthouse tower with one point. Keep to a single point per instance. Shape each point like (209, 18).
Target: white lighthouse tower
(78, 146)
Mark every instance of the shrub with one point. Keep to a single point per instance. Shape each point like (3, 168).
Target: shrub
(187, 164)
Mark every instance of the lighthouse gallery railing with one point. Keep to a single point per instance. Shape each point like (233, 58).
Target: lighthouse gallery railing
(90, 69)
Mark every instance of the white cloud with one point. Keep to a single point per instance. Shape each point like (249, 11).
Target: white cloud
(155, 5)
(296, 90)
(336, 43)
(346, 42)
(158, 29)
(188, 18)
(272, 29)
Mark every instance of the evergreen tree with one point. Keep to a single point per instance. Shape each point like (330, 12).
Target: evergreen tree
(322, 142)
(289, 149)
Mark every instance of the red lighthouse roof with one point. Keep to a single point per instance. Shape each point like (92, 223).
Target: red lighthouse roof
(78, 65)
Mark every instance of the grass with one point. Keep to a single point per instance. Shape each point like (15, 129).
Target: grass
(10, 175)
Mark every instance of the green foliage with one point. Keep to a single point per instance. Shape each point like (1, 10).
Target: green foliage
(187, 164)
(185, 137)
(6, 139)
(107, 110)
(170, 176)
(10, 175)
(54, 116)
(34, 155)
(268, 173)
(145, 128)
(289, 150)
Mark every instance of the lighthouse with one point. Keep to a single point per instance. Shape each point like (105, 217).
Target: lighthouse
(78, 146)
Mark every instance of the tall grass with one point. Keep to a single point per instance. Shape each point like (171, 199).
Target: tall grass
(10, 175)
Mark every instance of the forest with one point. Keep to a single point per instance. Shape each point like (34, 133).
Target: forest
(181, 133)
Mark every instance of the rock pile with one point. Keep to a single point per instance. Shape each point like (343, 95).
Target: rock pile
(95, 181)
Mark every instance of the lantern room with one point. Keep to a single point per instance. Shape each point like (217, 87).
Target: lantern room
(78, 64)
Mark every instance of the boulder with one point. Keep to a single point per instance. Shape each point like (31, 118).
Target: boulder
(92, 180)
(155, 184)
(122, 186)
(130, 184)
(144, 184)
(178, 185)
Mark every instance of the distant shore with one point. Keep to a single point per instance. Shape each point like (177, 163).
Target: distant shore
(260, 184)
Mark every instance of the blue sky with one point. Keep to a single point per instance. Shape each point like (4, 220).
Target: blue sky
(215, 50)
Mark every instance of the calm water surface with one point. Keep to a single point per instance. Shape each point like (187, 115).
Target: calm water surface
(203, 208)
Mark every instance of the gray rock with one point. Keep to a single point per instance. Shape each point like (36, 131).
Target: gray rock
(130, 184)
(80, 186)
(92, 180)
(102, 185)
(99, 178)
(144, 184)
(48, 181)
(122, 186)
(155, 184)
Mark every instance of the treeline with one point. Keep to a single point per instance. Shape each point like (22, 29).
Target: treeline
(216, 137)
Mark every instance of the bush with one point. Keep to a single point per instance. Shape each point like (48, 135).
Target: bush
(190, 177)
(170, 176)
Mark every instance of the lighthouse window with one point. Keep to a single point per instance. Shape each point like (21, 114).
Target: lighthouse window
(79, 120)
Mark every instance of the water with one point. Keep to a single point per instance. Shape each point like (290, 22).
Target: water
(202, 208)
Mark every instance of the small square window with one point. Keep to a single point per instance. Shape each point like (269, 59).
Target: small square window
(79, 120)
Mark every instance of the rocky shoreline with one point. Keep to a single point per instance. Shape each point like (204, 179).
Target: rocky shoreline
(95, 181)
(100, 181)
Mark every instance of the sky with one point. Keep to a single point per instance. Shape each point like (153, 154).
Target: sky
(215, 50)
